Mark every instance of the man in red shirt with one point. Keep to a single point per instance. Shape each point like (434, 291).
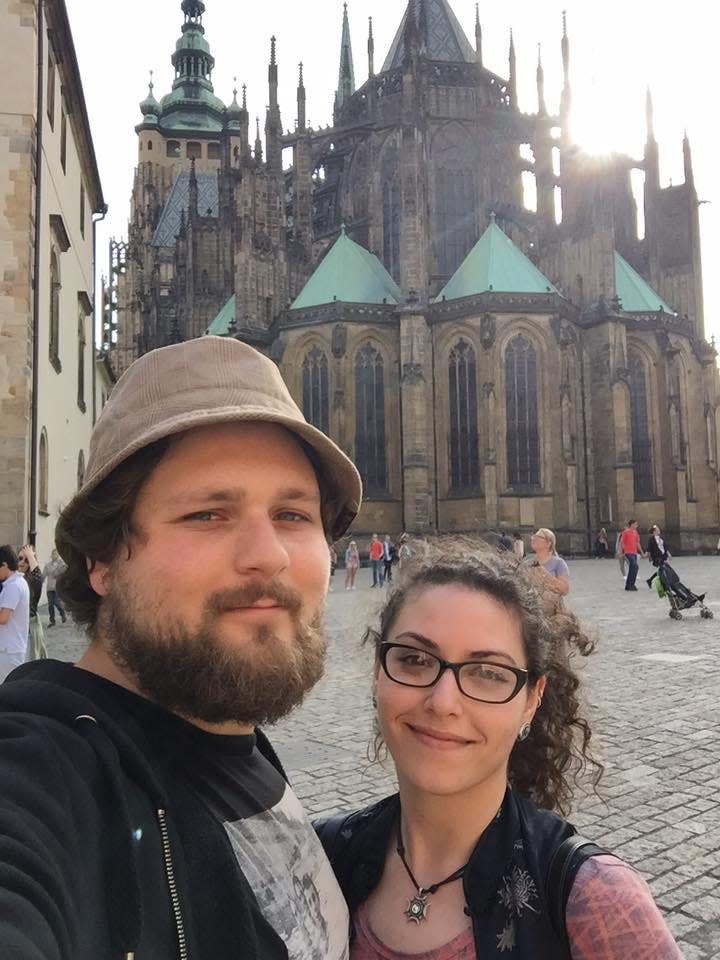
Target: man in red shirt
(631, 547)
(376, 559)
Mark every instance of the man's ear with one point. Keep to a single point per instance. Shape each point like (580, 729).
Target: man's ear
(99, 577)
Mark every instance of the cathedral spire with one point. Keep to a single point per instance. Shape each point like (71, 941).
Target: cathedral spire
(542, 108)
(258, 142)
(652, 160)
(192, 59)
(512, 82)
(687, 160)
(346, 79)
(649, 116)
(478, 36)
(371, 49)
(566, 93)
(301, 121)
(273, 74)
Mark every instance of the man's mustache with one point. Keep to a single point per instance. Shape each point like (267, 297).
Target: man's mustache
(251, 593)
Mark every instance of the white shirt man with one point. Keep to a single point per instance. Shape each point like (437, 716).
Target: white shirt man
(14, 613)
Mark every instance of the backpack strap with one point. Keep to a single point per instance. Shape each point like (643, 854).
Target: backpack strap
(567, 860)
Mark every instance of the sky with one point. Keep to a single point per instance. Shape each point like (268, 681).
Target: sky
(618, 49)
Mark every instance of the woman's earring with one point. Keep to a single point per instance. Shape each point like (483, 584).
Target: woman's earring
(524, 732)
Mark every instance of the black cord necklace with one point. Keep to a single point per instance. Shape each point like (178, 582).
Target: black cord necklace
(417, 908)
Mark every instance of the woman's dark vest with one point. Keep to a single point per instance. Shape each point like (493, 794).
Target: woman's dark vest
(506, 883)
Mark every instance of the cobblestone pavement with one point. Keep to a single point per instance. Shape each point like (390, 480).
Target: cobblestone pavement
(652, 688)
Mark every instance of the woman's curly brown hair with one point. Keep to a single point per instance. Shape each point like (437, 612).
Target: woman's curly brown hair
(547, 766)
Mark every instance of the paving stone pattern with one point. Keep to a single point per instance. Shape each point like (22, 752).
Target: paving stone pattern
(652, 690)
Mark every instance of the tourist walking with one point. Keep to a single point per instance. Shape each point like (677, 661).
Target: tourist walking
(471, 858)
(14, 616)
(619, 554)
(52, 570)
(548, 571)
(631, 547)
(376, 554)
(352, 565)
(30, 569)
(657, 551)
(506, 542)
(518, 546)
(389, 555)
(144, 813)
(404, 551)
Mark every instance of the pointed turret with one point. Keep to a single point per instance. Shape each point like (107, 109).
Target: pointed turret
(301, 99)
(371, 49)
(150, 107)
(542, 109)
(687, 160)
(566, 99)
(512, 82)
(652, 162)
(194, 208)
(258, 152)
(346, 78)
(273, 126)
(478, 36)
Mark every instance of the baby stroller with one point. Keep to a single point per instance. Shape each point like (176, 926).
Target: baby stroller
(668, 584)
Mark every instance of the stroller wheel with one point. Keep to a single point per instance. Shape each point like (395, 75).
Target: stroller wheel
(706, 614)
(676, 615)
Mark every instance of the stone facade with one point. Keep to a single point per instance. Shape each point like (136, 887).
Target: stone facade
(50, 189)
(623, 417)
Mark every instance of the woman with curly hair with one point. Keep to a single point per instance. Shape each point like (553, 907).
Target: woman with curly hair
(477, 703)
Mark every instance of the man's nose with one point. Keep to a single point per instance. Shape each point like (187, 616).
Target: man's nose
(260, 548)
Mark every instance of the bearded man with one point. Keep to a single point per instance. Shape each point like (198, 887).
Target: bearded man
(144, 815)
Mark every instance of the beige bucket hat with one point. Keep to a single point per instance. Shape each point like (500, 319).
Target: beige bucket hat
(207, 381)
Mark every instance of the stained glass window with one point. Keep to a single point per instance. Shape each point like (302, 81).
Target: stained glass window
(643, 474)
(316, 403)
(453, 216)
(392, 207)
(370, 454)
(464, 458)
(523, 443)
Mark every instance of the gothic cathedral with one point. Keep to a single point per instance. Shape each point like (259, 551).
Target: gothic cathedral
(486, 366)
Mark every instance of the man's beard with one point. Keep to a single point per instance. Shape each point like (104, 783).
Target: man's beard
(197, 674)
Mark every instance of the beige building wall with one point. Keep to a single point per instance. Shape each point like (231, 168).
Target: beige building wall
(69, 194)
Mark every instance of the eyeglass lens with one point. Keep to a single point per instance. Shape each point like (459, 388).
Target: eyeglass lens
(489, 682)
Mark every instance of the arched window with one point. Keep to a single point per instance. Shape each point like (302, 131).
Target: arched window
(81, 469)
(43, 474)
(453, 215)
(464, 458)
(55, 288)
(82, 344)
(643, 474)
(316, 403)
(370, 456)
(392, 211)
(521, 394)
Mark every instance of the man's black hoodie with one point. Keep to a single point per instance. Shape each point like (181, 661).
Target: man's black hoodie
(105, 852)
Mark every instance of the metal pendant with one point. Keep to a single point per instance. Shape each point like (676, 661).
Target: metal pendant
(417, 908)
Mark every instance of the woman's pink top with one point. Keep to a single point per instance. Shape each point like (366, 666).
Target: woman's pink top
(610, 915)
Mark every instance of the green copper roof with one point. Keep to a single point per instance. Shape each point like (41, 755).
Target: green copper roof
(351, 274)
(495, 263)
(220, 327)
(635, 294)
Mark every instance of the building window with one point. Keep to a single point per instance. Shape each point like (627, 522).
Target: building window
(173, 148)
(213, 151)
(82, 210)
(643, 474)
(521, 394)
(370, 456)
(392, 211)
(63, 139)
(453, 217)
(316, 402)
(43, 461)
(81, 469)
(194, 151)
(463, 440)
(82, 343)
(55, 288)
(150, 145)
(51, 80)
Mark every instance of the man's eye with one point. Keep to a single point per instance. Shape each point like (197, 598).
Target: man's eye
(293, 516)
(202, 515)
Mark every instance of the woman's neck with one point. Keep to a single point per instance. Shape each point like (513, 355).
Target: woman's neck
(543, 556)
(439, 833)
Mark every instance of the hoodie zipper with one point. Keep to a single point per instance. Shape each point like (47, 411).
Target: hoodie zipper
(172, 885)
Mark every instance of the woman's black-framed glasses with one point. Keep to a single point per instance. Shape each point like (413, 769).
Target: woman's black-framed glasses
(477, 679)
